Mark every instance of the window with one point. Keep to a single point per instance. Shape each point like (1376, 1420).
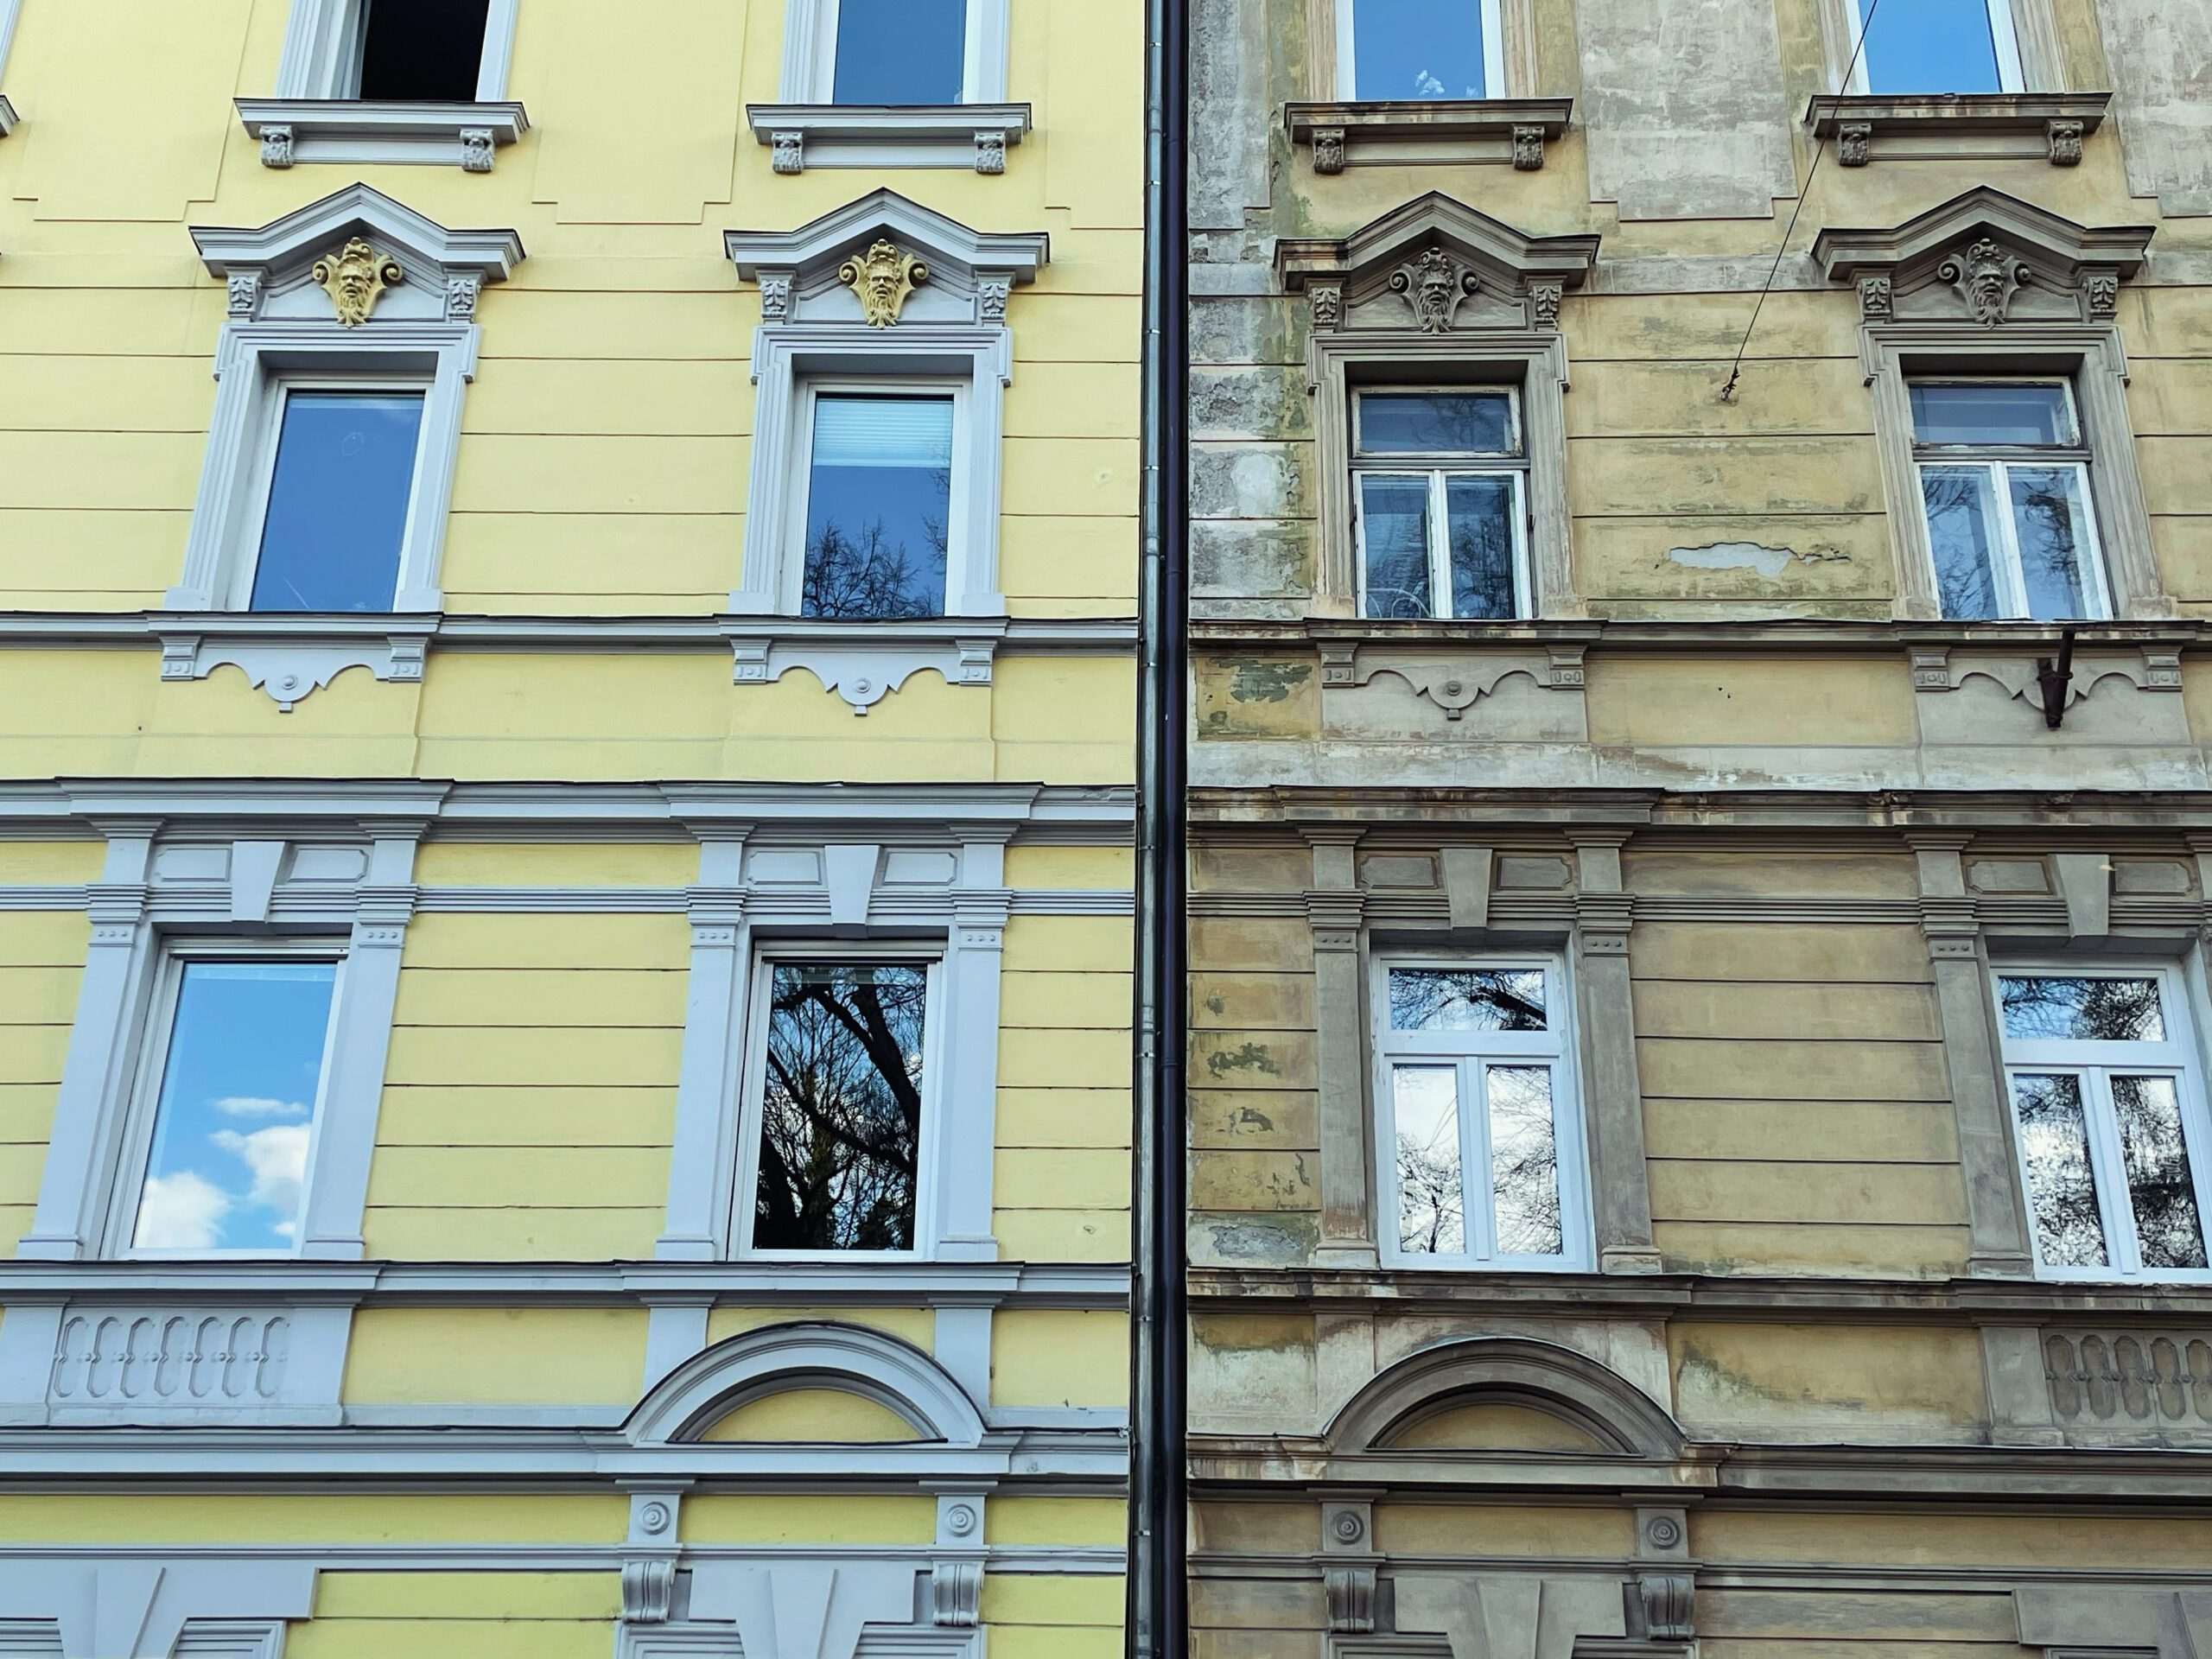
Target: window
(341, 479)
(422, 50)
(1479, 1127)
(1420, 49)
(900, 52)
(1937, 45)
(1438, 483)
(879, 504)
(2005, 485)
(2110, 1116)
(230, 1098)
(841, 1076)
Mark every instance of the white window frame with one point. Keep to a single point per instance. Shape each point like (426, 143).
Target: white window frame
(2003, 29)
(766, 959)
(792, 362)
(1439, 471)
(95, 1116)
(259, 364)
(283, 384)
(1997, 461)
(322, 51)
(1493, 49)
(810, 73)
(9, 11)
(1555, 1047)
(149, 1069)
(2179, 1057)
(958, 509)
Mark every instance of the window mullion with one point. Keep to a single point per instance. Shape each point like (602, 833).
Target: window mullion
(1439, 557)
(2010, 576)
(2108, 1168)
(1475, 1159)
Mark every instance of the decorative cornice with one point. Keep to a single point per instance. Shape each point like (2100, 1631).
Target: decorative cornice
(972, 136)
(1958, 126)
(299, 131)
(2069, 249)
(309, 232)
(1496, 250)
(1510, 131)
(928, 234)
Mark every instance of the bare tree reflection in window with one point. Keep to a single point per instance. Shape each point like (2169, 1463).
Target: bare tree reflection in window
(1959, 534)
(2083, 1009)
(841, 1119)
(1467, 998)
(2062, 1192)
(1432, 1190)
(2160, 1184)
(1524, 1160)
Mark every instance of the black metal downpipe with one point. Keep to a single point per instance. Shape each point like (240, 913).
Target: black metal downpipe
(1156, 1622)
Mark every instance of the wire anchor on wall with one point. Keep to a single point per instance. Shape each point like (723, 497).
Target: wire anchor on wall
(1736, 370)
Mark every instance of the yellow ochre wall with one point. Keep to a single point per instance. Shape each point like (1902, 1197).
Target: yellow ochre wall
(529, 1096)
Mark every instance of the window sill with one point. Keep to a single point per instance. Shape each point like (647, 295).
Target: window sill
(1497, 130)
(1966, 126)
(299, 131)
(290, 656)
(800, 136)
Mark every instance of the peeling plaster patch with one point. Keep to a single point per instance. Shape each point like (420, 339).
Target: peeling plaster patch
(1250, 1057)
(1268, 681)
(1769, 562)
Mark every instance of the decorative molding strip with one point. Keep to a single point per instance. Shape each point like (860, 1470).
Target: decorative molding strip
(2145, 1380)
(797, 1284)
(1050, 1560)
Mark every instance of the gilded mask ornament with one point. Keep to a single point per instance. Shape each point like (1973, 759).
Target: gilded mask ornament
(1432, 286)
(356, 279)
(1987, 277)
(881, 279)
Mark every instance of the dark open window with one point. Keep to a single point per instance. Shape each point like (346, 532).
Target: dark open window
(423, 51)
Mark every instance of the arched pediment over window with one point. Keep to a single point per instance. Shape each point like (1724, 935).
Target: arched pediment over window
(821, 1357)
(1504, 1394)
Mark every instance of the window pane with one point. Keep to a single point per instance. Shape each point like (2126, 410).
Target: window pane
(1962, 534)
(1481, 514)
(236, 1112)
(2065, 1008)
(841, 1122)
(2051, 517)
(1418, 48)
(1990, 412)
(2054, 1145)
(425, 51)
(1436, 423)
(2159, 1182)
(338, 503)
(1524, 1160)
(1432, 1204)
(879, 506)
(1394, 527)
(1931, 46)
(901, 51)
(1467, 998)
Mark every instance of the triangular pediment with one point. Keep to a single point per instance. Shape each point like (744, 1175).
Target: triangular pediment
(964, 274)
(1435, 265)
(272, 269)
(1987, 257)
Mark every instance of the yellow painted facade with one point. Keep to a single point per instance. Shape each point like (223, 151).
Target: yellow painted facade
(531, 1392)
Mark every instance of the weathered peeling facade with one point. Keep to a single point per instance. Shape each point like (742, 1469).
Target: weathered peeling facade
(1698, 1130)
